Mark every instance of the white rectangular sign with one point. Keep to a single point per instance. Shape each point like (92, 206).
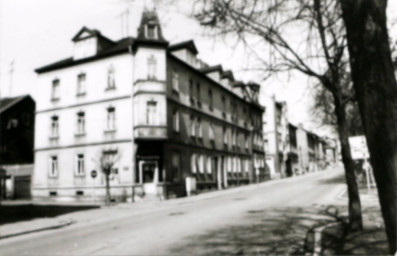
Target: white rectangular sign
(358, 147)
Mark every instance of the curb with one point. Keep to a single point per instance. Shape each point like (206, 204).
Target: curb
(61, 224)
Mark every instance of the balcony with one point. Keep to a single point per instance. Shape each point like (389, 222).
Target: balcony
(150, 132)
(144, 86)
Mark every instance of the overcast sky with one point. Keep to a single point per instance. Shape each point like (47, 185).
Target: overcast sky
(34, 33)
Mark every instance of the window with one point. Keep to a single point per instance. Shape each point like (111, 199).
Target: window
(199, 128)
(53, 166)
(209, 164)
(175, 121)
(111, 78)
(225, 141)
(200, 163)
(152, 67)
(176, 166)
(151, 112)
(80, 165)
(223, 106)
(80, 123)
(246, 142)
(175, 81)
(211, 132)
(229, 164)
(54, 126)
(81, 84)
(210, 101)
(191, 88)
(198, 94)
(111, 119)
(151, 31)
(247, 164)
(193, 163)
(234, 138)
(55, 89)
(192, 126)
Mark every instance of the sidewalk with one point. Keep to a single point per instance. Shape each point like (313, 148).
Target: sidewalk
(122, 210)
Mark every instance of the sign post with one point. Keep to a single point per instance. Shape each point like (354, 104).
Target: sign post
(359, 151)
(94, 173)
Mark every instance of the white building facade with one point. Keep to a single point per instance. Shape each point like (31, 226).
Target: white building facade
(84, 111)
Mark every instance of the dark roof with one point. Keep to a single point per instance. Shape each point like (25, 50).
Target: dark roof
(182, 45)
(149, 17)
(6, 103)
(211, 69)
(228, 74)
(119, 47)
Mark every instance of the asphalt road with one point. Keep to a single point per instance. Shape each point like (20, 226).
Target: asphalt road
(155, 229)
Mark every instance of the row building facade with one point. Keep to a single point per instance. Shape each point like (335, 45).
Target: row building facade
(157, 111)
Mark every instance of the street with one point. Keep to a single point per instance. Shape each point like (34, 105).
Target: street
(179, 228)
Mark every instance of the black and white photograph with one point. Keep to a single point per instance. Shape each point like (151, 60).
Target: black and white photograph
(198, 127)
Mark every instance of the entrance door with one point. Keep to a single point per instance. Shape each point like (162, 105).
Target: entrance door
(149, 173)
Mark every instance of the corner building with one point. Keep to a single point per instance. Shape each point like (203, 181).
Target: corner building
(156, 109)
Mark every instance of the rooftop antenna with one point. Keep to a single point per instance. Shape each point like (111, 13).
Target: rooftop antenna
(11, 76)
(124, 22)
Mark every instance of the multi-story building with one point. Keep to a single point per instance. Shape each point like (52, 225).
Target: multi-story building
(154, 110)
(292, 165)
(312, 150)
(16, 145)
(275, 130)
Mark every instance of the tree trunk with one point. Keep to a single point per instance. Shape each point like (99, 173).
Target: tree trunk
(107, 200)
(376, 90)
(355, 217)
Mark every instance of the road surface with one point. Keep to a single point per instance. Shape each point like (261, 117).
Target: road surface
(159, 230)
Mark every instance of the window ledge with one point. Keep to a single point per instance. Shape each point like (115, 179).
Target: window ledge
(55, 99)
(54, 137)
(110, 88)
(79, 134)
(82, 175)
(81, 94)
(109, 131)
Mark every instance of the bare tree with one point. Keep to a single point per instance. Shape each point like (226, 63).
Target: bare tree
(375, 84)
(323, 110)
(107, 161)
(317, 50)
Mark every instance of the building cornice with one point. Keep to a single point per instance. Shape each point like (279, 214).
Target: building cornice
(84, 145)
(83, 104)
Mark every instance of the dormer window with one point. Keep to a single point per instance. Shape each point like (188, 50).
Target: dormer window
(151, 31)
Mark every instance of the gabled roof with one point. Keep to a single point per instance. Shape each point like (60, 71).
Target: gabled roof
(90, 33)
(118, 47)
(7, 103)
(184, 45)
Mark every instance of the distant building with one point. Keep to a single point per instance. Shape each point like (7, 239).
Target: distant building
(16, 145)
(275, 130)
(312, 150)
(162, 113)
(292, 165)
